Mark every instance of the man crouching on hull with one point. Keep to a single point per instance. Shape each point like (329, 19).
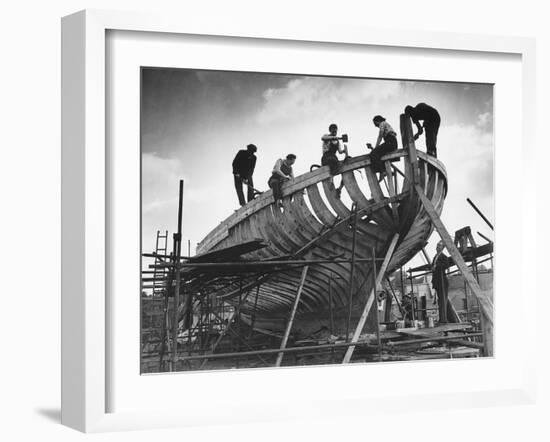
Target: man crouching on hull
(282, 171)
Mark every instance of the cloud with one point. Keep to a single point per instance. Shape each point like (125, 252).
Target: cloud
(467, 152)
(321, 98)
(485, 120)
(160, 194)
(158, 178)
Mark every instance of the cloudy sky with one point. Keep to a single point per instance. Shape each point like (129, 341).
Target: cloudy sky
(194, 122)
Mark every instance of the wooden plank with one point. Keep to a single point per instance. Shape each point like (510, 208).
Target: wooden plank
(383, 219)
(354, 191)
(370, 299)
(408, 145)
(336, 203)
(357, 196)
(483, 297)
(319, 206)
(392, 191)
(435, 331)
(374, 186)
(230, 252)
(344, 213)
(433, 161)
(323, 239)
(291, 319)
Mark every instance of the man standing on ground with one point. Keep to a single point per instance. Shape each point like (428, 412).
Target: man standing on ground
(440, 282)
(243, 168)
(431, 120)
(282, 171)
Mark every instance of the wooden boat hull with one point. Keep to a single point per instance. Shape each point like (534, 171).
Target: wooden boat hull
(315, 224)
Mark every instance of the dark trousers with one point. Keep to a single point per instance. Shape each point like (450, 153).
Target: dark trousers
(275, 184)
(389, 145)
(442, 290)
(239, 181)
(331, 160)
(431, 127)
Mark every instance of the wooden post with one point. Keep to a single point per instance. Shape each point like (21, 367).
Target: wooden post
(395, 296)
(376, 283)
(413, 298)
(392, 190)
(370, 299)
(236, 311)
(291, 319)
(407, 140)
(388, 307)
(220, 337)
(352, 271)
(331, 318)
(253, 317)
(177, 250)
(479, 213)
(485, 302)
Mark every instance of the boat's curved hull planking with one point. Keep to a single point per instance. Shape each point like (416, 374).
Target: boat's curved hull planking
(309, 226)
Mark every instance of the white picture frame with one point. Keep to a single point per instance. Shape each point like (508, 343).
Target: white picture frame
(86, 202)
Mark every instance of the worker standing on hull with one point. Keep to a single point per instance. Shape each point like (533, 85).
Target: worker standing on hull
(243, 169)
(432, 121)
(332, 146)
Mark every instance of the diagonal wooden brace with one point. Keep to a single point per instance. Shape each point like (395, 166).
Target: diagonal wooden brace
(370, 300)
(291, 320)
(482, 296)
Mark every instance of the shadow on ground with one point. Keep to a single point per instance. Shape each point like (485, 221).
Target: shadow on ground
(51, 414)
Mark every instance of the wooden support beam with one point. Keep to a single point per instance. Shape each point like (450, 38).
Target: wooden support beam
(266, 263)
(291, 319)
(407, 139)
(352, 271)
(391, 190)
(395, 297)
(176, 255)
(370, 299)
(483, 298)
(270, 351)
(480, 213)
(459, 338)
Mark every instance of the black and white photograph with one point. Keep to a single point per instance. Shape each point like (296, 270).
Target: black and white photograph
(300, 220)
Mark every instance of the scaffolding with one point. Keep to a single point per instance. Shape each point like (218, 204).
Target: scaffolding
(208, 333)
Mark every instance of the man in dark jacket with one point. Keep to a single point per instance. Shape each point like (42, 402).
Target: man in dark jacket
(243, 168)
(440, 282)
(432, 121)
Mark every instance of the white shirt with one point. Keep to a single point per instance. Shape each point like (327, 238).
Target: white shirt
(385, 129)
